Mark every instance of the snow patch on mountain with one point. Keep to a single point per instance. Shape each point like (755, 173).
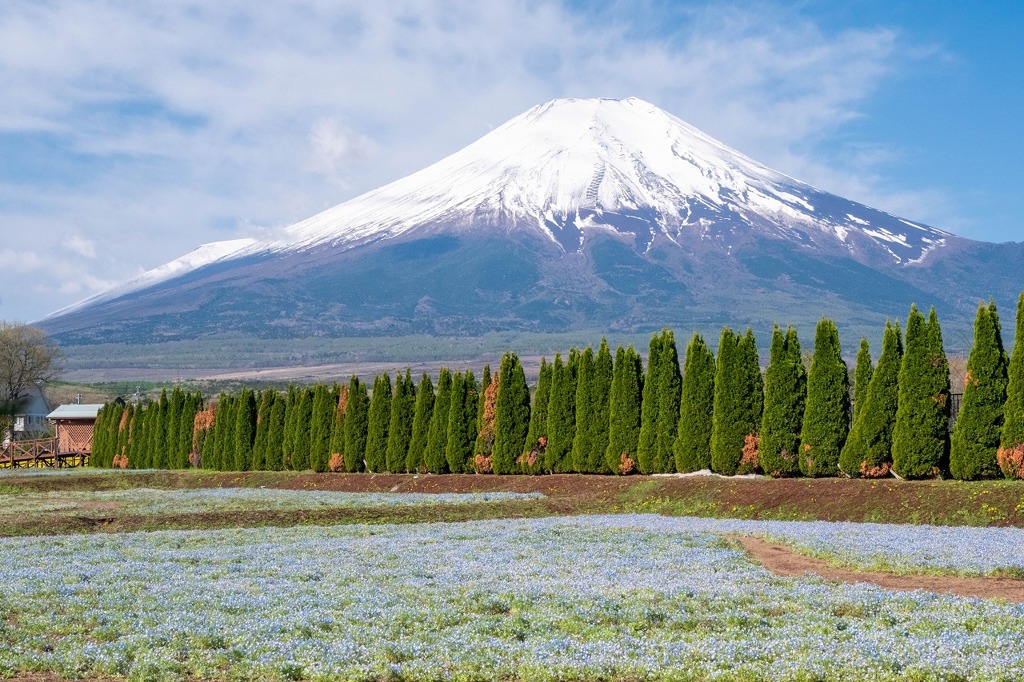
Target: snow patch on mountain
(570, 166)
(206, 254)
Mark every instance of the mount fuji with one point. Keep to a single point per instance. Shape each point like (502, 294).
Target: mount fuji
(596, 214)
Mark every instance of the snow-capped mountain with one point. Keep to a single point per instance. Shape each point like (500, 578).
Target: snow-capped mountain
(605, 188)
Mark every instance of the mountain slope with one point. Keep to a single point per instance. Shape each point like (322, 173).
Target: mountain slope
(595, 214)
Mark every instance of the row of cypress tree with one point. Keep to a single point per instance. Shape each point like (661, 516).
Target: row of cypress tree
(157, 435)
(591, 413)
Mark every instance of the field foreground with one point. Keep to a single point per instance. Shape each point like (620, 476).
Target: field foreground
(51, 510)
(574, 585)
(595, 597)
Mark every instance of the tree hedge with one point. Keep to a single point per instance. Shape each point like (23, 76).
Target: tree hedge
(422, 414)
(1011, 440)
(511, 415)
(785, 395)
(434, 457)
(853, 450)
(827, 413)
(561, 417)
(920, 446)
(532, 461)
(975, 440)
(692, 448)
(403, 412)
(738, 403)
(356, 424)
(624, 411)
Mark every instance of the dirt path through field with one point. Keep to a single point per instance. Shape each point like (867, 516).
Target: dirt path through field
(785, 562)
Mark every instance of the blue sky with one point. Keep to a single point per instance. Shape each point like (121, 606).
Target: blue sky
(132, 132)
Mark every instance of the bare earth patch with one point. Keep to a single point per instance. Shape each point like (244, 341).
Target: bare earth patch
(785, 562)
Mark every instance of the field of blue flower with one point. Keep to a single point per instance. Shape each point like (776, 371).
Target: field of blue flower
(141, 501)
(596, 597)
(894, 548)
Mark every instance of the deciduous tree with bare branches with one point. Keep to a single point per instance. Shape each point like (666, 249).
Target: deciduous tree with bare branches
(27, 358)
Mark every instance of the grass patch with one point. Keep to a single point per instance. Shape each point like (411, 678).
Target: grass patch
(944, 503)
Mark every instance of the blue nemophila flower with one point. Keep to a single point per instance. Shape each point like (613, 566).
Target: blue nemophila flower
(542, 599)
(136, 501)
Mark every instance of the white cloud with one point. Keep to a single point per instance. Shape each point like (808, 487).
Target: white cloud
(189, 122)
(21, 262)
(80, 245)
(334, 148)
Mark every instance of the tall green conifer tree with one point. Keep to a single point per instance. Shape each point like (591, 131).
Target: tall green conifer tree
(186, 429)
(669, 398)
(876, 420)
(137, 445)
(582, 440)
(423, 411)
(99, 439)
(561, 417)
(379, 420)
(853, 452)
(826, 417)
(624, 411)
(754, 383)
(645, 449)
(273, 455)
(785, 394)
(292, 400)
(532, 459)
(738, 403)
(403, 406)
(300, 451)
(975, 439)
(356, 423)
(1011, 440)
(465, 402)
(224, 446)
(453, 450)
(920, 447)
(245, 431)
(434, 457)
(175, 404)
(159, 456)
(862, 377)
(259, 445)
(321, 421)
(596, 458)
(511, 415)
(692, 448)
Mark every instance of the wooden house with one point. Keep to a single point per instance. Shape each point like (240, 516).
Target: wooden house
(74, 425)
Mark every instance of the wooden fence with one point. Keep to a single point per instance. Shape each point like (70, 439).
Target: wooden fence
(41, 453)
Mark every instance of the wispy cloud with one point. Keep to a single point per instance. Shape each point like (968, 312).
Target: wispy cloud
(80, 245)
(166, 125)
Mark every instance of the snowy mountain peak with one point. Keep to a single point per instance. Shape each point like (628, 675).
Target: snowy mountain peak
(546, 165)
(570, 166)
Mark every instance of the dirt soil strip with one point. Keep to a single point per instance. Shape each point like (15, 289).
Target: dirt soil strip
(783, 561)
